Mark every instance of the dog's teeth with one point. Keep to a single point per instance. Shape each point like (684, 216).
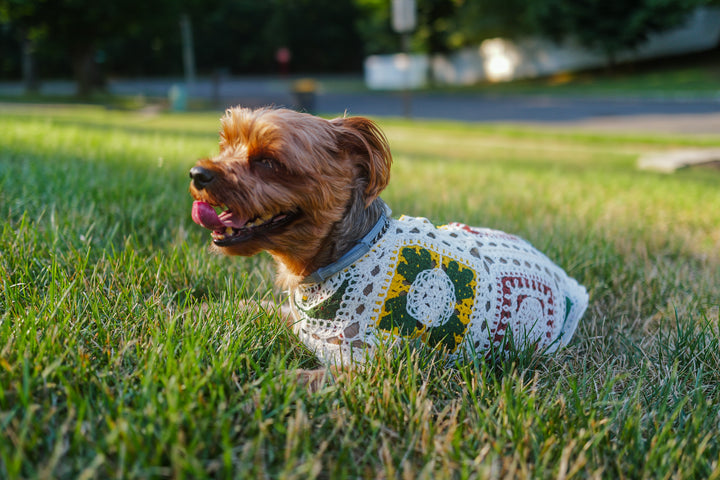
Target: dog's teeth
(228, 231)
(266, 218)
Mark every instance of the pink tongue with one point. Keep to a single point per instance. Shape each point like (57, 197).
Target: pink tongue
(230, 220)
(204, 215)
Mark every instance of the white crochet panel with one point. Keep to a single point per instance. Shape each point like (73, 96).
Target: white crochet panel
(455, 287)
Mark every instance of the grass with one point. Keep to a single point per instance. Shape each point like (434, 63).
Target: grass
(126, 350)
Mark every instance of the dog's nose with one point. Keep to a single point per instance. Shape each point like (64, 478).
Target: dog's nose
(201, 177)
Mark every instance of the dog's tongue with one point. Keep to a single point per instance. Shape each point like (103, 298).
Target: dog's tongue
(204, 215)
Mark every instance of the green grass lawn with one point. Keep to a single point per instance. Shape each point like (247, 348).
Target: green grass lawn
(126, 351)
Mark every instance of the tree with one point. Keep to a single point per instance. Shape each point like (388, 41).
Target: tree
(77, 28)
(375, 28)
(436, 24)
(477, 20)
(608, 26)
(320, 33)
(23, 42)
(141, 37)
(243, 36)
(435, 32)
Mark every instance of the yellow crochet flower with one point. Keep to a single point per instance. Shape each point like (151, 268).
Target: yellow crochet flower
(430, 296)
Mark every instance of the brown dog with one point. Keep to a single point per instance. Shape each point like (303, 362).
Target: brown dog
(306, 190)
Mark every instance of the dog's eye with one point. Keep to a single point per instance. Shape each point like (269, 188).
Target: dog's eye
(266, 163)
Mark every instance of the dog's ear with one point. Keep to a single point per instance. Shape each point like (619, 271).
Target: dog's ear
(362, 138)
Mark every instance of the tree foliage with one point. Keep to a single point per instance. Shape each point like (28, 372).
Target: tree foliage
(375, 28)
(142, 37)
(84, 38)
(73, 30)
(608, 26)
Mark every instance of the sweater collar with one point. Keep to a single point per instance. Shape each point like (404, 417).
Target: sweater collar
(362, 247)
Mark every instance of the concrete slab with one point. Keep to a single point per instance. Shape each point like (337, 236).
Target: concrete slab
(695, 124)
(668, 162)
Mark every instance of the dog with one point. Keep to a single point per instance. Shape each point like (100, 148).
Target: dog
(306, 190)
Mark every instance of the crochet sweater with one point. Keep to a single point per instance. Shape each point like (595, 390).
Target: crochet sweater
(462, 288)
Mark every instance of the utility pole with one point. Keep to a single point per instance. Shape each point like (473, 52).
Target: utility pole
(404, 21)
(188, 55)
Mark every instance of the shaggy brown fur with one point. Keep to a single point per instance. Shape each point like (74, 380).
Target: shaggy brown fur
(309, 185)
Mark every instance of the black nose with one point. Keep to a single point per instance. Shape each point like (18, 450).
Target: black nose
(201, 177)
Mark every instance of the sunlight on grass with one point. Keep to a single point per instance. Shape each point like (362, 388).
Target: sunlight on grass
(126, 349)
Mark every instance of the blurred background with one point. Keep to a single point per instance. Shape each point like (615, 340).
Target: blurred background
(337, 55)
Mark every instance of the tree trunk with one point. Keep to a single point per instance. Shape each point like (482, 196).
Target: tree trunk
(29, 72)
(610, 61)
(83, 67)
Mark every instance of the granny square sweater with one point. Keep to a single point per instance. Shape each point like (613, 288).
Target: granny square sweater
(461, 288)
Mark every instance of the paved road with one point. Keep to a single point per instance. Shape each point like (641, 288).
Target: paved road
(694, 116)
(680, 115)
(535, 109)
(686, 115)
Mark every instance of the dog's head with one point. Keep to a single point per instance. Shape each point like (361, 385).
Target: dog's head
(282, 179)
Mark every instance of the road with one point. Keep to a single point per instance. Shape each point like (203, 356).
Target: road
(680, 115)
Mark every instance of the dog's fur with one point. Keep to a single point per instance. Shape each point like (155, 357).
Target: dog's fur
(305, 189)
(329, 172)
